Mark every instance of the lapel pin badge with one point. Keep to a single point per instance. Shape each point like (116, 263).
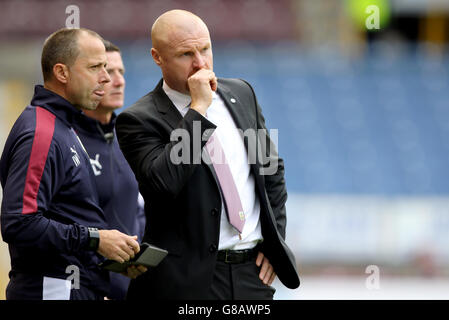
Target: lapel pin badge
(233, 100)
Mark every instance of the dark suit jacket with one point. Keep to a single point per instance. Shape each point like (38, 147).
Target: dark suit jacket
(183, 201)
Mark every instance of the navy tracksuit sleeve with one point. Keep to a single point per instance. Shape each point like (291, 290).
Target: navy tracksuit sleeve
(30, 178)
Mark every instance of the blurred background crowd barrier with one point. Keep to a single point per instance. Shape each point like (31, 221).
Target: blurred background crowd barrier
(359, 93)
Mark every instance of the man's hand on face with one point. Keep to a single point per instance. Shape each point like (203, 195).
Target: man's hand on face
(201, 84)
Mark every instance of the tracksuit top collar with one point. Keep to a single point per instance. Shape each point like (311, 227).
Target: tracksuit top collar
(56, 104)
(69, 114)
(92, 126)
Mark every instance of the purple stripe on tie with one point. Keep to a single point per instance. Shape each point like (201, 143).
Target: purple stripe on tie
(231, 196)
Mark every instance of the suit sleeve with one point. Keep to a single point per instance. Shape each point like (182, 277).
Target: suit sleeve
(151, 154)
(272, 169)
(32, 180)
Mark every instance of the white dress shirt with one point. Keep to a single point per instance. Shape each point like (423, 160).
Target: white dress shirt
(237, 159)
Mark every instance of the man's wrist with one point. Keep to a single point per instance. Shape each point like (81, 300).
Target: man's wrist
(93, 239)
(200, 109)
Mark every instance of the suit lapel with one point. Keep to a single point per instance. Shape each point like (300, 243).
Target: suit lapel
(240, 116)
(164, 105)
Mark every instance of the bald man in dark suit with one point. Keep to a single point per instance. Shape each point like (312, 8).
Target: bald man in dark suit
(164, 135)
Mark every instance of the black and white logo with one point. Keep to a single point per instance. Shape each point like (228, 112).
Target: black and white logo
(96, 165)
(75, 157)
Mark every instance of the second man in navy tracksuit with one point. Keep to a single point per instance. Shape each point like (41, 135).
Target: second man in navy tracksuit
(116, 185)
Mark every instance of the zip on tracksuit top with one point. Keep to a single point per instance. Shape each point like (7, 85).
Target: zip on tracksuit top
(117, 187)
(49, 200)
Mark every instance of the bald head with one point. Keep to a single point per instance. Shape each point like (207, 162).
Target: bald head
(167, 28)
(181, 47)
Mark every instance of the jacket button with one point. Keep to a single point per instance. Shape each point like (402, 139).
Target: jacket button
(213, 248)
(214, 211)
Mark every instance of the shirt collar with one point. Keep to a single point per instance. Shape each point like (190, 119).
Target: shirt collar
(180, 100)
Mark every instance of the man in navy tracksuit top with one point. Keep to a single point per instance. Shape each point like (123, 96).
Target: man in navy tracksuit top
(116, 184)
(50, 214)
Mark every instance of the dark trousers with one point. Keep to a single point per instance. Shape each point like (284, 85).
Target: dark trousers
(239, 281)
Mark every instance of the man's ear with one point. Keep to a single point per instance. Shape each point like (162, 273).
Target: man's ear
(61, 72)
(156, 56)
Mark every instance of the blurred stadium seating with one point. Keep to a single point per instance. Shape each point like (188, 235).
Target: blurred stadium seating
(362, 121)
(367, 126)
